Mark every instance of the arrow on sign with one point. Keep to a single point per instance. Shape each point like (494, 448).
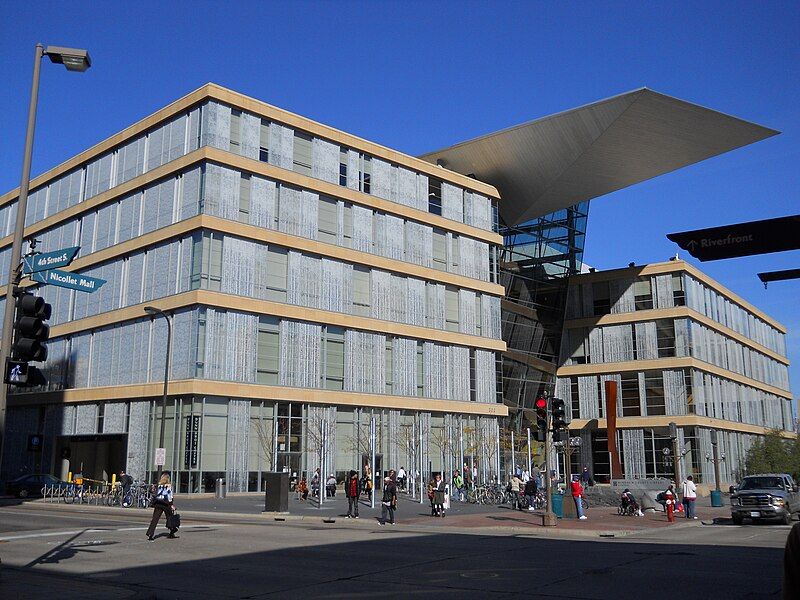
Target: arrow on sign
(74, 281)
(49, 260)
(691, 245)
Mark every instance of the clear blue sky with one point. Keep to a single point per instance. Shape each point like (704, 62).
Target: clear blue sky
(420, 76)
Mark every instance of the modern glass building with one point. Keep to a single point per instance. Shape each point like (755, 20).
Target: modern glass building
(681, 348)
(316, 280)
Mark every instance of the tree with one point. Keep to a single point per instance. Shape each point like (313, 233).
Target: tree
(773, 453)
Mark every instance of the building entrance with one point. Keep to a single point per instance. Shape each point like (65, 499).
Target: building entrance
(95, 456)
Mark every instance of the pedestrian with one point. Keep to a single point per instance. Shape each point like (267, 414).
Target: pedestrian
(352, 490)
(530, 492)
(302, 489)
(316, 481)
(458, 486)
(330, 486)
(401, 478)
(467, 477)
(162, 503)
(586, 477)
(669, 503)
(689, 497)
(389, 501)
(475, 473)
(431, 496)
(125, 483)
(514, 487)
(438, 495)
(525, 476)
(577, 494)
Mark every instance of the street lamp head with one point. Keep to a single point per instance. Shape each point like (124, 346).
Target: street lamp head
(74, 59)
(152, 310)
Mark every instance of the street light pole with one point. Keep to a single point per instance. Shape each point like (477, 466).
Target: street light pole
(73, 60)
(153, 312)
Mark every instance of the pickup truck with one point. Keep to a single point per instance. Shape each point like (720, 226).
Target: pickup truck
(765, 497)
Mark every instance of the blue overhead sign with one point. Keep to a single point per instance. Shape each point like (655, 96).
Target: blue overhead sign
(49, 260)
(74, 281)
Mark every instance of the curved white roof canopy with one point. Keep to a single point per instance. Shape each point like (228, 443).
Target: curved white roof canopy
(557, 161)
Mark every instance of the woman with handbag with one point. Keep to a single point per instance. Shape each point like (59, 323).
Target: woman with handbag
(162, 503)
(438, 496)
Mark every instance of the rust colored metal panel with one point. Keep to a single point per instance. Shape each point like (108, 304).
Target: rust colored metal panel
(611, 419)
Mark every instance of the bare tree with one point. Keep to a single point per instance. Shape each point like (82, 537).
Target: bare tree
(265, 430)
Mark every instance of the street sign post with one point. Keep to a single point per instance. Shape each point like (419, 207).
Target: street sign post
(74, 281)
(49, 260)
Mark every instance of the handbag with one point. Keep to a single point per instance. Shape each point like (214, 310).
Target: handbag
(174, 521)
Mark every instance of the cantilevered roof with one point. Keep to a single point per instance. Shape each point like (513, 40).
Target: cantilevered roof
(557, 161)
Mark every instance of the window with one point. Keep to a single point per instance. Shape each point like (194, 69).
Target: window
(478, 315)
(577, 345)
(328, 220)
(575, 398)
(303, 153)
(665, 330)
(268, 350)
(244, 199)
(365, 175)
(389, 366)
(420, 370)
(643, 294)
(343, 167)
(602, 298)
(454, 253)
(439, 250)
(678, 293)
(236, 130)
(654, 392)
(333, 371)
(206, 261)
(361, 291)
(434, 196)
(263, 150)
(347, 225)
(451, 308)
(630, 395)
(277, 261)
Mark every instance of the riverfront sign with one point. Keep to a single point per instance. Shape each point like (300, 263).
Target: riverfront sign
(49, 260)
(74, 281)
(741, 239)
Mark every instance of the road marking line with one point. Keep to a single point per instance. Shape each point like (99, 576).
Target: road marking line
(93, 530)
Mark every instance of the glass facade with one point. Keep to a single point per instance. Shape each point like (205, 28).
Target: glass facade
(340, 245)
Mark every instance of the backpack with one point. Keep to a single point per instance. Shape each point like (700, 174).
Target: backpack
(661, 497)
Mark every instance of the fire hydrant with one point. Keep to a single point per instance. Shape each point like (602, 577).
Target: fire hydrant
(669, 501)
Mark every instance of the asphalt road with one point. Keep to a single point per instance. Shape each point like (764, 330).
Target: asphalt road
(49, 552)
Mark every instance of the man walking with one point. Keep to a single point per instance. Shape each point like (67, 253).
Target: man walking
(352, 491)
(689, 497)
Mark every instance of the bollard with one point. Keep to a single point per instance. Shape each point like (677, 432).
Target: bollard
(219, 490)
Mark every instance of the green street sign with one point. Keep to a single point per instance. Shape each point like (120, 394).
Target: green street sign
(74, 281)
(49, 260)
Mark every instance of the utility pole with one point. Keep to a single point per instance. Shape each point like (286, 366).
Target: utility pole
(549, 519)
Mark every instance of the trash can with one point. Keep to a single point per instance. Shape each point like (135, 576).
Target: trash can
(277, 492)
(558, 505)
(219, 490)
(716, 498)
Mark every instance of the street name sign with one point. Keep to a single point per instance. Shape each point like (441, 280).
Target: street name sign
(49, 260)
(74, 281)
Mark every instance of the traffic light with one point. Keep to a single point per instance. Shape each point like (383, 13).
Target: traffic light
(558, 411)
(30, 334)
(541, 418)
(30, 330)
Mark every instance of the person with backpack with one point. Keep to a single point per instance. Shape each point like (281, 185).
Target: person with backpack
(163, 503)
(352, 490)
(389, 501)
(530, 493)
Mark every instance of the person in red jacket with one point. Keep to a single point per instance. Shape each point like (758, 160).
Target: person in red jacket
(352, 491)
(577, 492)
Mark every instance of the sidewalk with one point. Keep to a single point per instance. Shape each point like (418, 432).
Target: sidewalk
(472, 518)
